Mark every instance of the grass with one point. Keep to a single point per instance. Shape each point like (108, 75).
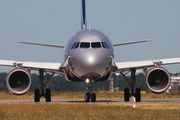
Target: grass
(88, 111)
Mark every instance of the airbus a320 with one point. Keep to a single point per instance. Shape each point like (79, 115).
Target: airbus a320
(89, 57)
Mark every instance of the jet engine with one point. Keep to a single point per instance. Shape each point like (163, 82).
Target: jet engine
(18, 81)
(158, 79)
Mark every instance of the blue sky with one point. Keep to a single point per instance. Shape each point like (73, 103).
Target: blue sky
(56, 21)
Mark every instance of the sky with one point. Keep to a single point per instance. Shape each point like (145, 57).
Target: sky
(56, 21)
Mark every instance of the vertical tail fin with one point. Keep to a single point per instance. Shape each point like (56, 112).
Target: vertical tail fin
(83, 17)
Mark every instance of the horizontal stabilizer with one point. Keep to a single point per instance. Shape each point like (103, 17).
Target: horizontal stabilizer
(132, 42)
(42, 44)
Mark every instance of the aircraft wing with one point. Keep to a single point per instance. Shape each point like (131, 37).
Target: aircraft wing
(124, 66)
(48, 67)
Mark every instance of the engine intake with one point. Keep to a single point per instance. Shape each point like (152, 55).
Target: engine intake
(18, 81)
(158, 79)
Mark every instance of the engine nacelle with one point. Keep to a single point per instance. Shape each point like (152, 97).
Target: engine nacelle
(158, 79)
(18, 81)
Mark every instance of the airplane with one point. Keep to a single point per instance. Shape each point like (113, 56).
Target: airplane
(89, 58)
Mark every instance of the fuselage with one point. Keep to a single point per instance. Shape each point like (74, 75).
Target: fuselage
(89, 54)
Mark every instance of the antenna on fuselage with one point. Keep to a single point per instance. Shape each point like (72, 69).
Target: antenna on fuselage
(83, 17)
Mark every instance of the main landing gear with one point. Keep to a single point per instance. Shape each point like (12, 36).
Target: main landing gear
(137, 92)
(42, 92)
(89, 95)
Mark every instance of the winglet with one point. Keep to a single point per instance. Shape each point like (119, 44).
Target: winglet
(83, 17)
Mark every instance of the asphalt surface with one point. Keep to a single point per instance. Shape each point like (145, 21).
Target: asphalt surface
(98, 101)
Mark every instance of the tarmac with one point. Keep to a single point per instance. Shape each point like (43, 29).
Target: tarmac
(98, 101)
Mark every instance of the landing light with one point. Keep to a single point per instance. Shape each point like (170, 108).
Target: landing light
(87, 80)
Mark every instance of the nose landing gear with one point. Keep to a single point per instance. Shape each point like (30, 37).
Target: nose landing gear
(89, 95)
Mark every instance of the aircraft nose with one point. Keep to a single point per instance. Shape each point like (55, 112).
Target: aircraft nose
(93, 58)
(91, 63)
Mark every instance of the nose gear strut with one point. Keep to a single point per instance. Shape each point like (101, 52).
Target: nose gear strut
(89, 95)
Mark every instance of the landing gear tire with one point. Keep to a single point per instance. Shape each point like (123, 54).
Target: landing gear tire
(138, 94)
(93, 97)
(126, 94)
(48, 95)
(36, 95)
(87, 97)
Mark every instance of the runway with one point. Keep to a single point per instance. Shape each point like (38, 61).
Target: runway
(99, 101)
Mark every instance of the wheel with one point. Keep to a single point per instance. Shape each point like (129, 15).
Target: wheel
(138, 94)
(126, 94)
(48, 95)
(87, 97)
(36, 95)
(93, 97)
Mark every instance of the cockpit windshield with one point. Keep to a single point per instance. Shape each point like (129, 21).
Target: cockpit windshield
(90, 45)
(85, 45)
(96, 45)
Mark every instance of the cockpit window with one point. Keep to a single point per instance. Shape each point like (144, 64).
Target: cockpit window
(105, 45)
(75, 45)
(96, 45)
(85, 45)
